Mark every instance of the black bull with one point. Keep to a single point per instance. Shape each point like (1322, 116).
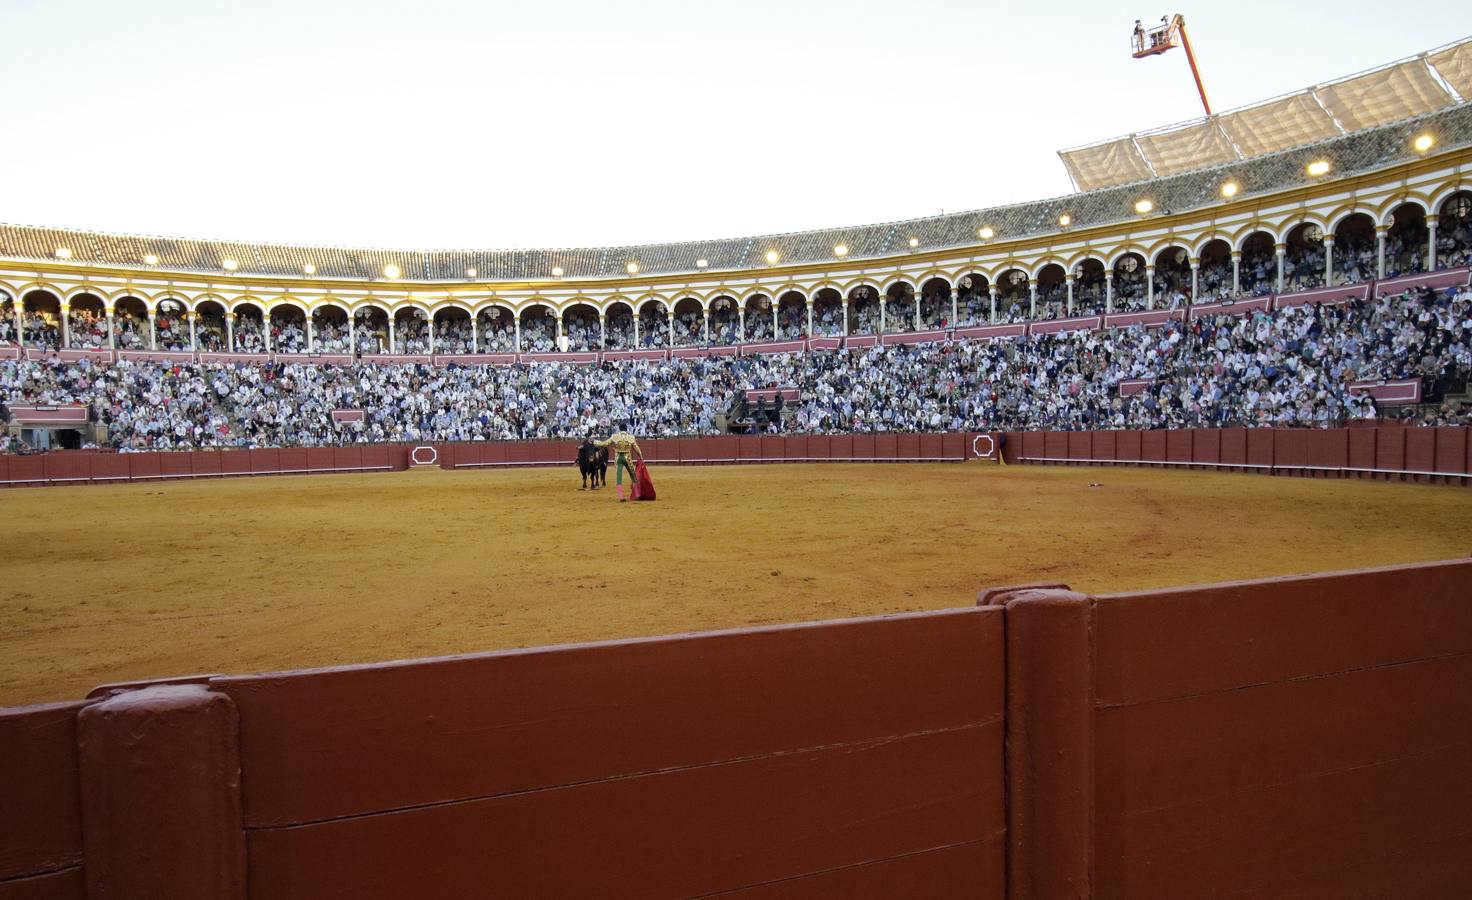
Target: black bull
(593, 462)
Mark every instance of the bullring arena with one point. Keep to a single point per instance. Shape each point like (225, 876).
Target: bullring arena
(1110, 545)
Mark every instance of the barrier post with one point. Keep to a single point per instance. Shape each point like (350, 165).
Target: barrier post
(1050, 742)
(160, 791)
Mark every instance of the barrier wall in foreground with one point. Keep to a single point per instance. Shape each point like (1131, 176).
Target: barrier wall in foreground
(1440, 454)
(1301, 736)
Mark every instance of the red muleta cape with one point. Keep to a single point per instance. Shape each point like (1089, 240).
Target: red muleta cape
(643, 485)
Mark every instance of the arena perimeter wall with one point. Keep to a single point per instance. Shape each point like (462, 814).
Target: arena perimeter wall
(1301, 736)
(1440, 454)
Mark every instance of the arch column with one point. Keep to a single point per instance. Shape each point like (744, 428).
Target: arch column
(602, 331)
(193, 331)
(559, 332)
(1328, 260)
(1380, 232)
(1195, 277)
(1150, 287)
(66, 325)
(636, 329)
(18, 308)
(112, 341)
(153, 330)
(1068, 286)
(741, 314)
(265, 327)
(954, 316)
(353, 332)
(882, 305)
(776, 304)
(917, 312)
(311, 333)
(1109, 292)
(1236, 272)
(810, 317)
(1032, 298)
(1431, 221)
(229, 330)
(429, 330)
(845, 318)
(705, 326)
(991, 290)
(518, 332)
(393, 343)
(1279, 251)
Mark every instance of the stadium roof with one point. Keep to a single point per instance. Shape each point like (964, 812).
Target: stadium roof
(1412, 87)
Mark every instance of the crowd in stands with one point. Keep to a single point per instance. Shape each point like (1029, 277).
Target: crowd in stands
(1288, 367)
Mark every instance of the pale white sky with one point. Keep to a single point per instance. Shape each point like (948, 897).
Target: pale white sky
(455, 123)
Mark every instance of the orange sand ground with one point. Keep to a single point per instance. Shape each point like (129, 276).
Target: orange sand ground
(102, 584)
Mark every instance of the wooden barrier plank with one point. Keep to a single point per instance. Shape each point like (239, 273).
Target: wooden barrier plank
(1079, 445)
(724, 447)
(343, 742)
(1103, 444)
(930, 446)
(681, 833)
(886, 446)
(795, 446)
(205, 462)
(955, 446)
(1128, 445)
(1155, 645)
(906, 446)
(1178, 446)
(1451, 449)
(1034, 444)
(28, 468)
(1205, 747)
(1420, 449)
(863, 447)
(1055, 444)
(1402, 823)
(235, 462)
(173, 463)
(1260, 447)
(143, 465)
(265, 460)
(1153, 446)
(1390, 448)
(1290, 448)
(750, 447)
(819, 447)
(1206, 445)
(320, 459)
(1328, 447)
(4, 468)
(517, 453)
(773, 446)
(347, 457)
(976, 869)
(1362, 447)
(65, 884)
(293, 459)
(67, 467)
(41, 824)
(841, 446)
(1233, 446)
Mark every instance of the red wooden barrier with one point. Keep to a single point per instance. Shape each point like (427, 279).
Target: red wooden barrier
(1234, 446)
(320, 459)
(1103, 444)
(1420, 450)
(1206, 445)
(204, 462)
(1127, 445)
(886, 447)
(1153, 446)
(863, 446)
(1260, 447)
(1361, 448)
(144, 466)
(66, 467)
(173, 465)
(1451, 450)
(352, 457)
(906, 446)
(41, 826)
(773, 447)
(932, 446)
(841, 446)
(683, 766)
(1055, 444)
(1178, 446)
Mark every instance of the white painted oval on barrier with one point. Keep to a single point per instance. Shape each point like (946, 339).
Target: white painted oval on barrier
(991, 446)
(434, 456)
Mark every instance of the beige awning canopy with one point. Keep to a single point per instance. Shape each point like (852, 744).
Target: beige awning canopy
(1392, 93)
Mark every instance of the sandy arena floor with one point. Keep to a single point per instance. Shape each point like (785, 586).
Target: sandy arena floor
(103, 584)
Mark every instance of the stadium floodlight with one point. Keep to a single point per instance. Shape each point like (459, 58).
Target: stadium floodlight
(772, 257)
(914, 242)
(1230, 189)
(701, 263)
(150, 259)
(309, 269)
(1065, 220)
(471, 273)
(392, 271)
(1317, 168)
(1143, 206)
(632, 268)
(63, 253)
(1424, 142)
(229, 265)
(557, 271)
(1170, 33)
(985, 232)
(840, 250)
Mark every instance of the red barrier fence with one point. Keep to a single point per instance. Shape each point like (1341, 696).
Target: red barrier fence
(1041, 744)
(1441, 454)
